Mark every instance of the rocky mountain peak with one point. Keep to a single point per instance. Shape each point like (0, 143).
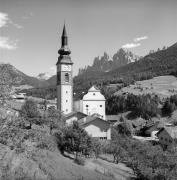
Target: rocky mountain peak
(107, 63)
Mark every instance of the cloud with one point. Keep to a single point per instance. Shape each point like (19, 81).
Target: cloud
(27, 16)
(53, 70)
(5, 43)
(16, 25)
(140, 38)
(3, 19)
(131, 45)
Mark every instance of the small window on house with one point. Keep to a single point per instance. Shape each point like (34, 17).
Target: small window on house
(94, 94)
(66, 92)
(161, 138)
(66, 100)
(86, 105)
(100, 105)
(170, 141)
(66, 110)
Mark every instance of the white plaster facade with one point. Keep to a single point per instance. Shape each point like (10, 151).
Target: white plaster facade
(97, 127)
(94, 103)
(95, 131)
(64, 99)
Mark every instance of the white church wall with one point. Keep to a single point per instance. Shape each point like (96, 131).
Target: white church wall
(94, 106)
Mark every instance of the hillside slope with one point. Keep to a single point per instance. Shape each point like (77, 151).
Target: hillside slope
(42, 164)
(163, 86)
(17, 77)
(159, 63)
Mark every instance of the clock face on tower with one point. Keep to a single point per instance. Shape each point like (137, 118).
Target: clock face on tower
(66, 67)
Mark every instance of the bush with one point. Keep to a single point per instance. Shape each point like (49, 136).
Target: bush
(80, 161)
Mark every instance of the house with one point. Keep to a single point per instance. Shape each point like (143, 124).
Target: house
(152, 127)
(168, 136)
(96, 127)
(73, 116)
(19, 97)
(113, 118)
(137, 124)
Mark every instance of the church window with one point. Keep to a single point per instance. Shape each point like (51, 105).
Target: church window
(66, 77)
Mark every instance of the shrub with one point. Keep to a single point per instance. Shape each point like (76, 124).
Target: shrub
(80, 161)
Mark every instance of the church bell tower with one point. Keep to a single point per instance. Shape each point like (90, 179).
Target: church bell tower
(64, 77)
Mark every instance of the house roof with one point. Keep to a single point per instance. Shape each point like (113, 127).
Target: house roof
(113, 117)
(77, 114)
(172, 131)
(87, 120)
(138, 122)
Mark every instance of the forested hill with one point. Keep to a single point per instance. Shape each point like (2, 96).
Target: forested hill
(16, 77)
(163, 62)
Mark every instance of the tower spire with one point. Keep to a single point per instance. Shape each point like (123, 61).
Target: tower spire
(64, 50)
(64, 31)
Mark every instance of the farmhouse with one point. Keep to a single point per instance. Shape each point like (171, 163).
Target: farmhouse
(74, 116)
(96, 127)
(168, 136)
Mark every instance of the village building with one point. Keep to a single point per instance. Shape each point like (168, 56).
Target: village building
(168, 136)
(73, 116)
(96, 127)
(20, 97)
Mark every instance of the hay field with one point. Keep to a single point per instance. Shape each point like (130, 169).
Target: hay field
(163, 86)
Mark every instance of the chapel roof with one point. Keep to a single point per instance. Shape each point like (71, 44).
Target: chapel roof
(93, 94)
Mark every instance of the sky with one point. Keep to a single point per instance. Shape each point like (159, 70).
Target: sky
(30, 30)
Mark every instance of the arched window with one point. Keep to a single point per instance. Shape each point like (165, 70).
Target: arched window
(66, 77)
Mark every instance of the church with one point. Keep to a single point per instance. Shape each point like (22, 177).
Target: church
(91, 112)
